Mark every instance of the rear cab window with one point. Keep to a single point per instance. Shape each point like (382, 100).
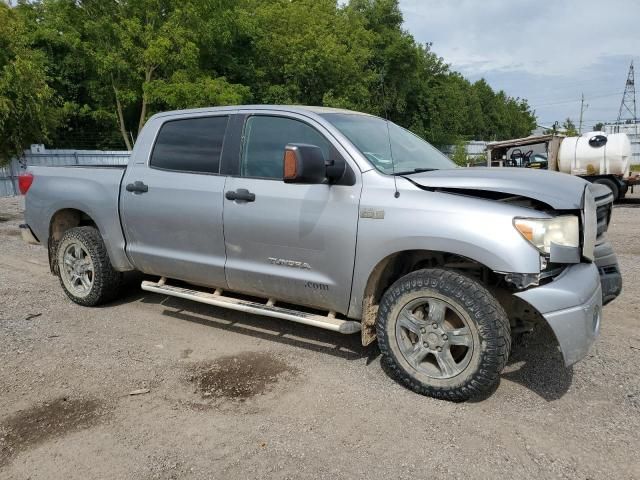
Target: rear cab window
(192, 145)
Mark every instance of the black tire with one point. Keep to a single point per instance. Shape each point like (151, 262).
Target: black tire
(103, 281)
(463, 301)
(611, 185)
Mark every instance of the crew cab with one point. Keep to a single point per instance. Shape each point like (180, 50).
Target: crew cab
(340, 220)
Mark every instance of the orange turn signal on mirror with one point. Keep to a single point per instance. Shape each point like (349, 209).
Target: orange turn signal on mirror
(290, 165)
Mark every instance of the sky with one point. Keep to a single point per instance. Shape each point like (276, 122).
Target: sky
(549, 52)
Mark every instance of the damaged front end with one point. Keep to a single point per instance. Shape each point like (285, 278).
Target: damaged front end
(572, 306)
(588, 277)
(555, 193)
(578, 269)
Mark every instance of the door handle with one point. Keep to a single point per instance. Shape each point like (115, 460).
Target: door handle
(240, 194)
(137, 187)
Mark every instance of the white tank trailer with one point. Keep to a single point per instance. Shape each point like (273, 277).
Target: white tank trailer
(598, 157)
(590, 154)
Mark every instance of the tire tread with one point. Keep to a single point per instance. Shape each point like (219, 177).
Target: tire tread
(491, 320)
(107, 281)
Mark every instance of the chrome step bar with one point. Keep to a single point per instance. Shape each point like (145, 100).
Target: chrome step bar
(269, 309)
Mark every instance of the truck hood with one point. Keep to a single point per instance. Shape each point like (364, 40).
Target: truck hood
(558, 190)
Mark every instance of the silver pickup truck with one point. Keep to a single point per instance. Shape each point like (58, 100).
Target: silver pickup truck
(343, 221)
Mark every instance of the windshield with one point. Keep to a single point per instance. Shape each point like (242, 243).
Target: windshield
(389, 148)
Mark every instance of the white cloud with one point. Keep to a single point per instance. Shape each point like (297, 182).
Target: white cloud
(546, 51)
(535, 36)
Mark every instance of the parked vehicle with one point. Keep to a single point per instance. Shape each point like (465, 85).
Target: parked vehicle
(343, 221)
(598, 157)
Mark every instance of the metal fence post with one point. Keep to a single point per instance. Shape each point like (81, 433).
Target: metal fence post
(12, 178)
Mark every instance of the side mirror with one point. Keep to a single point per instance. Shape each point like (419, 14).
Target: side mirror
(306, 164)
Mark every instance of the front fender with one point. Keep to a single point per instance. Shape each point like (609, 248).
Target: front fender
(478, 229)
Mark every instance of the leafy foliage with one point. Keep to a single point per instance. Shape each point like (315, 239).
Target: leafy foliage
(113, 63)
(460, 153)
(27, 113)
(568, 128)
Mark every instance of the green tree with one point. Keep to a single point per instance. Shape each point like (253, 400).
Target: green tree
(460, 153)
(142, 46)
(569, 128)
(394, 59)
(57, 29)
(115, 62)
(27, 102)
(303, 52)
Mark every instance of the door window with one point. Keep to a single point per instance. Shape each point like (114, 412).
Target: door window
(190, 145)
(265, 138)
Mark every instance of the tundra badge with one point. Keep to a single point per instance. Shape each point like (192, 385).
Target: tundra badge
(289, 263)
(375, 213)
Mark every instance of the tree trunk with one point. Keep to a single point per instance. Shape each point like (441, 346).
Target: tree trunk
(143, 110)
(123, 130)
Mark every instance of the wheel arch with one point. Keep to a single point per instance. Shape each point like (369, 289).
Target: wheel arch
(396, 265)
(62, 220)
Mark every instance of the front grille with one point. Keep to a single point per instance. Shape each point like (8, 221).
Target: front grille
(603, 216)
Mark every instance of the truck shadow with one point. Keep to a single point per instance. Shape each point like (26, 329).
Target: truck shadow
(627, 203)
(535, 363)
(265, 328)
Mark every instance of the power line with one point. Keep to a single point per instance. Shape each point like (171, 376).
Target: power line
(592, 97)
(573, 84)
(584, 120)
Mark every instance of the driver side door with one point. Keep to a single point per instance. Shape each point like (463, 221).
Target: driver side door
(292, 242)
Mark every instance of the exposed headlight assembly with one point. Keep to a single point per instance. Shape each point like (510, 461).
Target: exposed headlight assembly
(563, 230)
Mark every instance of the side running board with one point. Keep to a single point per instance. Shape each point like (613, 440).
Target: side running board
(328, 322)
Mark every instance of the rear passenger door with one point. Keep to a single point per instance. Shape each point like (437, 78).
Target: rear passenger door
(173, 216)
(292, 242)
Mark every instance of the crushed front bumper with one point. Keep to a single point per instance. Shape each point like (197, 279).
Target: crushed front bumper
(610, 277)
(572, 306)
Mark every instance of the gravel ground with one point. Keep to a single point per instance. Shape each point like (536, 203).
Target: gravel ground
(225, 395)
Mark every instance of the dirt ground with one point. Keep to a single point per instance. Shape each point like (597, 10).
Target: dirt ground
(225, 395)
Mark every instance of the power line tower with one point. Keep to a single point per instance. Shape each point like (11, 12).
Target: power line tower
(628, 104)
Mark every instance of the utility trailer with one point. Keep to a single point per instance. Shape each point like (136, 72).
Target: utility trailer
(596, 156)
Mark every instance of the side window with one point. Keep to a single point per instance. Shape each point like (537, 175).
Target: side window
(190, 145)
(264, 141)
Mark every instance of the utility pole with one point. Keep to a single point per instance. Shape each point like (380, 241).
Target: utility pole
(628, 104)
(583, 107)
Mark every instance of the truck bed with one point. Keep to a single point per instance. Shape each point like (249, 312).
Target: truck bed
(93, 189)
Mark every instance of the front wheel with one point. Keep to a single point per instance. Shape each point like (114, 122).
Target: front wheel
(443, 334)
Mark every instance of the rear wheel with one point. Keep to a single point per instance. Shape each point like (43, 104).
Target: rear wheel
(443, 334)
(611, 185)
(86, 274)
